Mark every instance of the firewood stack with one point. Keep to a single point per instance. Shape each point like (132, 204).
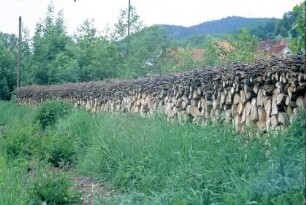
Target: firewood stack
(265, 95)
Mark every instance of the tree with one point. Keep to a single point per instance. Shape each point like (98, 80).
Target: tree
(121, 27)
(8, 64)
(235, 48)
(53, 51)
(147, 48)
(98, 57)
(142, 50)
(297, 31)
(245, 47)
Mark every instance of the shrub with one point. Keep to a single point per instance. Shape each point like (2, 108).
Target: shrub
(21, 139)
(4, 90)
(50, 112)
(52, 188)
(58, 150)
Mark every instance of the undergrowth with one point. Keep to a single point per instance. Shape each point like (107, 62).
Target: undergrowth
(148, 161)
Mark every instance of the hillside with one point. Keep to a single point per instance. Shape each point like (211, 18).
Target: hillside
(221, 26)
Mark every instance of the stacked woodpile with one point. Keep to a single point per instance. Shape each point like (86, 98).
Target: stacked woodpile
(266, 94)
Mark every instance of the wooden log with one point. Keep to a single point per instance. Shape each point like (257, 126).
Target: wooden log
(216, 104)
(260, 97)
(234, 110)
(194, 102)
(283, 118)
(240, 108)
(256, 88)
(273, 121)
(268, 106)
(300, 102)
(184, 104)
(195, 95)
(222, 99)
(274, 108)
(228, 100)
(261, 114)
(246, 112)
(280, 98)
(236, 99)
(228, 115)
(237, 123)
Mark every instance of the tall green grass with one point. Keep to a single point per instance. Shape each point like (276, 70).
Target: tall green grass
(150, 161)
(12, 183)
(9, 113)
(27, 160)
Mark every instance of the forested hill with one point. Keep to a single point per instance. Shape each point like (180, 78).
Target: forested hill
(221, 26)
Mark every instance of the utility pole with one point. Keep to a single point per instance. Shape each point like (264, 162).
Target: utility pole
(19, 55)
(129, 19)
(128, 28)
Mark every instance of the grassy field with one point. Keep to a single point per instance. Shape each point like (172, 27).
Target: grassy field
(145, 160)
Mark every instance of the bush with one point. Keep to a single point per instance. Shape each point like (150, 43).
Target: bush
(53, 188)
(58, 150)
(4, 90)
(21, 139)
(50, 112)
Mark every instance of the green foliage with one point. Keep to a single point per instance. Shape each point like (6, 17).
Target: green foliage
(245, 47)
(58, 150)
(23, 179)
(53, 58)
(297, 30)
(121, 27)
(266, 30)
(52, 188)
(50, 112)
(9, 113)
(4, 90)
(143, 53)
(79, 128)
(238, 48)
(12, 183)
(8, 59)
(21, 140)
(162, 163)
(150, 161)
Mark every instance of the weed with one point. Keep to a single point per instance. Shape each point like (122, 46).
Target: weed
(12, 183)
(20, 139)
(149, 161)
(58, 150)
(52, 188)
(50, 112)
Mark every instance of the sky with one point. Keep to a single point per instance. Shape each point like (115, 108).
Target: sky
(106, 12)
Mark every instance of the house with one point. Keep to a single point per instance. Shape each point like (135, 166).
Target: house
(277, 48)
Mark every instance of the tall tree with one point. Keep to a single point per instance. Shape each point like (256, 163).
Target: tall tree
(134, 23)
(53, 51)
(146, 50)
(98, 57)
(297, 31)
(8, 63)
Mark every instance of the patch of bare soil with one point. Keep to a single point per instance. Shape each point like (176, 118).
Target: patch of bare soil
(91, 189)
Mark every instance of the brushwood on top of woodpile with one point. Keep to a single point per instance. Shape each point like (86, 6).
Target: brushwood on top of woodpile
(208, 79)
(266, 94)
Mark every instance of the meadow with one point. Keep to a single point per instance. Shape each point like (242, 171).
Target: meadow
(144, 160)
